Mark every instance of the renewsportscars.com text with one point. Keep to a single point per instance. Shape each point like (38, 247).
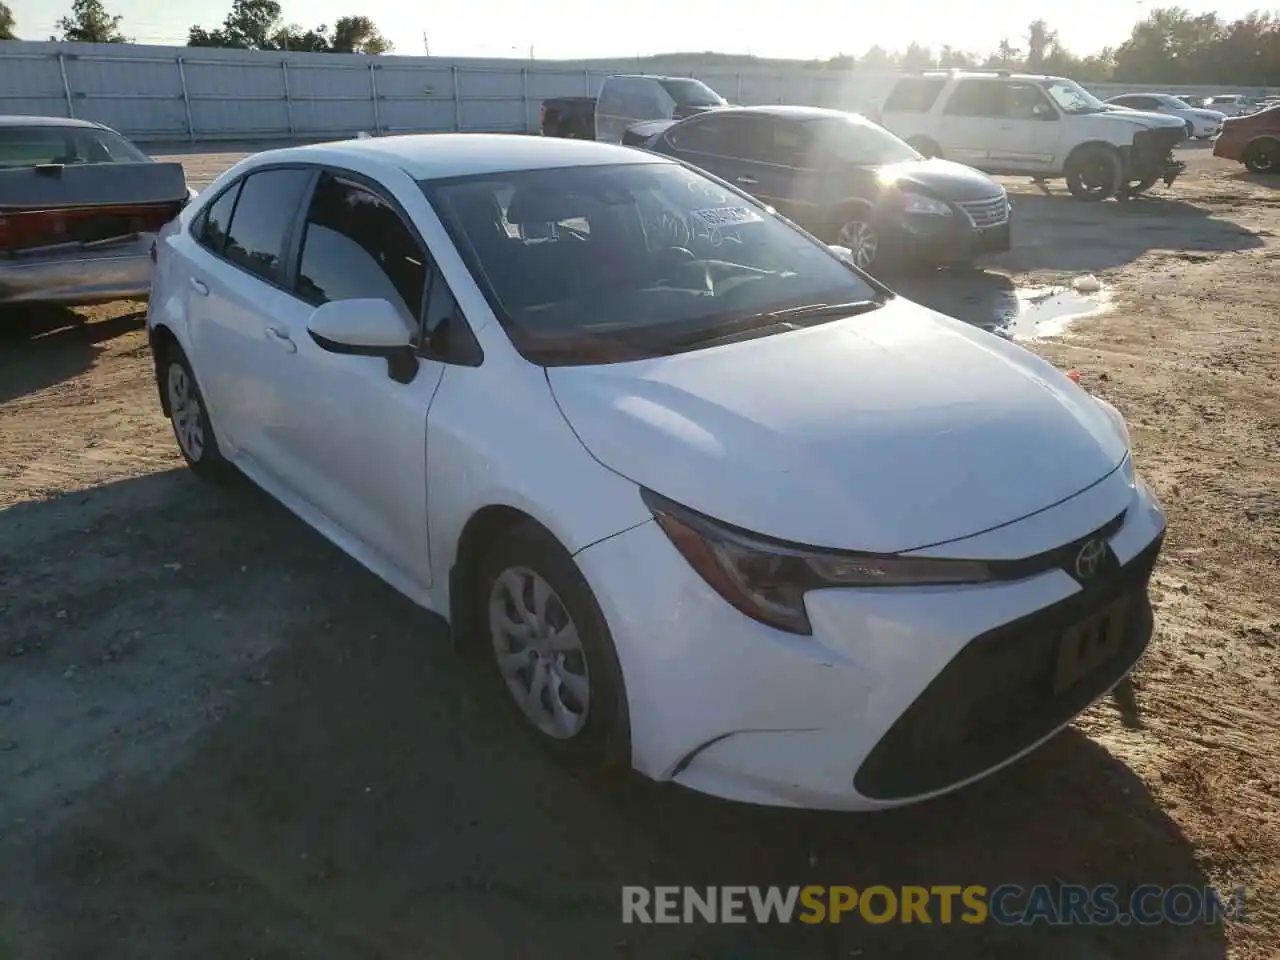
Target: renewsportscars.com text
(1007, 904)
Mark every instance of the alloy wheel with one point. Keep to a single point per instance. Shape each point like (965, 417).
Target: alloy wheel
(859, 237)
(185, 412)
(539, 652)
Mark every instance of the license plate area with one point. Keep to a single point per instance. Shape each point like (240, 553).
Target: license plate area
(1091, 643)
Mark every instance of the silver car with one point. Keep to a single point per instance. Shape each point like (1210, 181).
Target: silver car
(79, 209)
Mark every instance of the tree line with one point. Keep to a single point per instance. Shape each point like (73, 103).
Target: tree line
(1172, 45)
(249, 25)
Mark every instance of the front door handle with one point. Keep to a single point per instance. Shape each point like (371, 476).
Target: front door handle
(280, 337)
(747, 181)
(199, 287)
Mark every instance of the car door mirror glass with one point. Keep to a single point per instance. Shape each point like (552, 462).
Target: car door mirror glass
(367, 328)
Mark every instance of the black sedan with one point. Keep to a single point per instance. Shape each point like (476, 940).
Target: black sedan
(845, 180)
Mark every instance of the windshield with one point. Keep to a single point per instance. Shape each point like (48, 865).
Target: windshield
(856, 141)
(692, 93)
(591, 264)
(29, 146)
(1073, 98)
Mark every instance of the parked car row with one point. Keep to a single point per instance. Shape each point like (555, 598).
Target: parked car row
(709, 501)
(1201, 124)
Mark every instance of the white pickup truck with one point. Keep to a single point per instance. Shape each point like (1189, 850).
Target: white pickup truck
(1040, 127)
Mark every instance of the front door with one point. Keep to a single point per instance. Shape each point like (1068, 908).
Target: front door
(352, 439)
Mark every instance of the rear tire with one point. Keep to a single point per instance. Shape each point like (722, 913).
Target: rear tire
(1094, 173)
(550, 650)
(190, 418)
(1263, 156)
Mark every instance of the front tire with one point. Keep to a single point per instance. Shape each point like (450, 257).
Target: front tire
(189, 417)
(854, 228)
(552, 652)
(1094, 173)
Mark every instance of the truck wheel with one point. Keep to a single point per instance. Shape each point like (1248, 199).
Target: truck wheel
(1094, 173)
(925, 147)
(1263, 156)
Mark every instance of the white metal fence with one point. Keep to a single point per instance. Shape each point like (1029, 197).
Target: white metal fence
(198, 94)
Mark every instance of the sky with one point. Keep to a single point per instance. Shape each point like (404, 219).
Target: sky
(591, 28)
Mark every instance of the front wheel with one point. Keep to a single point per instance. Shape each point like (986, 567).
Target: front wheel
(1094, 173)
(855, 230)
(1263, 157)
(552, 650)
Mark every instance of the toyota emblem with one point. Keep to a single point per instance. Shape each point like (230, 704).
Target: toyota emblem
(1089, 559)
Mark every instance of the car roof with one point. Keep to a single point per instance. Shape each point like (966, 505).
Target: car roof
(12, 120)
(438, 156)
(982, 75)
(788, 110)
(646, 76)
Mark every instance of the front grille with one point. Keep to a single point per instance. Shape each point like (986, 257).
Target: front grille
(986, 213)
(995, 698)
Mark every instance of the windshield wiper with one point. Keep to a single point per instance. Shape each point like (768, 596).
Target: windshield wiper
(761, 322)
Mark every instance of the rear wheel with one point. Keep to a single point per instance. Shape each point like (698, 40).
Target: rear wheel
(1263, 156)
(1094, 173)
(925, 147)
(189, 417)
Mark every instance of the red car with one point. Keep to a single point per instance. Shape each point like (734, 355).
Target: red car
(1253, 140)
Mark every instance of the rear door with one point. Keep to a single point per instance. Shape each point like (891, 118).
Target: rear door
(237, 302)
(973, 128)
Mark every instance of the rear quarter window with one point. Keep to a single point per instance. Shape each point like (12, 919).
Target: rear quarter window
(914, 95)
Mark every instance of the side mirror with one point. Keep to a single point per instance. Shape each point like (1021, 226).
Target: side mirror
(366, 328)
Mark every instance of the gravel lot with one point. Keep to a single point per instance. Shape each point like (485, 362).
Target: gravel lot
(220, 738)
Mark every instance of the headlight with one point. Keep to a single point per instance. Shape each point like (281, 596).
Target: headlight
(767, 579)
(915, 203)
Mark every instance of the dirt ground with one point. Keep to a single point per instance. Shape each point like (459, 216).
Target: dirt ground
(219, 737)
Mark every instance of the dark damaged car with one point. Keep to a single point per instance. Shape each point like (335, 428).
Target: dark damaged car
(848, 181)
(79, 209)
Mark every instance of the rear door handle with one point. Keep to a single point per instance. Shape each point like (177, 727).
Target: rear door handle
(199, 287)
(747, 181)
(281, 338)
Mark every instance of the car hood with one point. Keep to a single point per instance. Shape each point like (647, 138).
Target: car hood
(941, 178)
(887, 431)
(1142, 118)
(1207, 114)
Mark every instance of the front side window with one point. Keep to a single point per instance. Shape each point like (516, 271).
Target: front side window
(710, 135)
(355, 246)
(666, 255)
(267, 208)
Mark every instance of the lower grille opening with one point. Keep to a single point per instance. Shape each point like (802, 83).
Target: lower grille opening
(997, 695)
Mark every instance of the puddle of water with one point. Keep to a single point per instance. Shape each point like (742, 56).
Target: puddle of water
(1027, 313)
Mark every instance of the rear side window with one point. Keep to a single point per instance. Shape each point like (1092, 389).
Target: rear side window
(211, 229)
(977, 98)
(266, 210)
(356, 246)
(914, 95)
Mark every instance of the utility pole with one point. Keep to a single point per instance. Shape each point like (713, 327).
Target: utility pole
(426, 47)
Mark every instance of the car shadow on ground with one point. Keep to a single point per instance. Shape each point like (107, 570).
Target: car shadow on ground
(44, 345)
(980, 297)
(1270, 180)
(367, 794)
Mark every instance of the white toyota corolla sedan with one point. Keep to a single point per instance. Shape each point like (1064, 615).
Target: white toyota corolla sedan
(712, 502)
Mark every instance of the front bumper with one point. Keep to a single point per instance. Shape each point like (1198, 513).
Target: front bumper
(899, 694)
(931, 238)
(1151, 156)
